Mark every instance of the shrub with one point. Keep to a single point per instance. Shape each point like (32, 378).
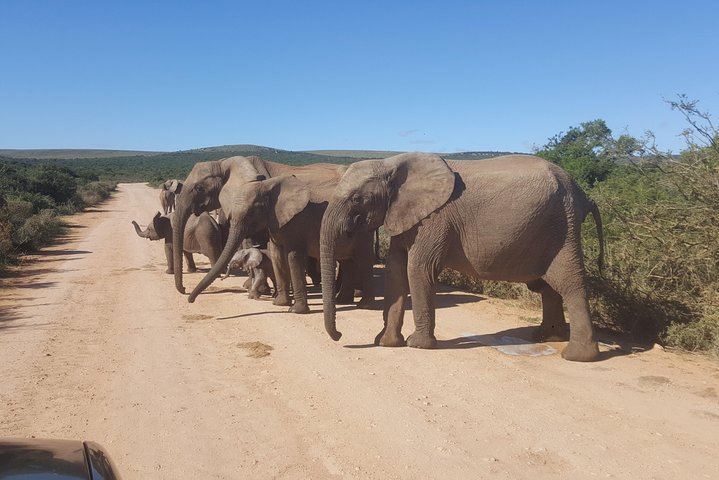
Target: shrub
(38, 230)
(59, 183)
(95, 192)
(7, 249)
(38, 201)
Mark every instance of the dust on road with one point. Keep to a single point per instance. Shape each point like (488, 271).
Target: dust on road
(95, 343)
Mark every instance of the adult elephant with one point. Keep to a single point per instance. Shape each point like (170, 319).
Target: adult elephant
(515, 218)
(258, 195)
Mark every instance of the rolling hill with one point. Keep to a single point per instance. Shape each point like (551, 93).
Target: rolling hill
(139, 166)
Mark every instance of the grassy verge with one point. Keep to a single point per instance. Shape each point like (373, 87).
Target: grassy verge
(29, 221)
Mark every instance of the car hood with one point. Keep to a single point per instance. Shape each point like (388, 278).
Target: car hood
(36, 459)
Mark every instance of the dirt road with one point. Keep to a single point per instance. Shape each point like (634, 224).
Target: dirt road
(95, 343)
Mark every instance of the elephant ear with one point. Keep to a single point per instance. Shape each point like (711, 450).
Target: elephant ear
(259, 167)
(419, 184)
(288, 196)
(175, 186)
(254, 258)
(162, 225)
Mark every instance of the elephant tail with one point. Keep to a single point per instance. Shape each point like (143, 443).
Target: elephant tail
(594, 210)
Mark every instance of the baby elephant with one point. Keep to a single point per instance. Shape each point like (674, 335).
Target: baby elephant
(202, 235)
(257, 263)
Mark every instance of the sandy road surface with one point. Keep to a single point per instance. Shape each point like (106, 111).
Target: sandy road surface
(95, 343)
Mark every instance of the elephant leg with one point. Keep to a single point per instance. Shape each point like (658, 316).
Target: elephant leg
(191, 267)
(396, 289)
(262, 287)
(364, 266)
(168, 256)
(566, 276)
(554, 327)
(212, 253)
(273, 290)
(345, 287)
(298, 268)
(313, 271)
(422, 289)
(256, 283)
(282, 275)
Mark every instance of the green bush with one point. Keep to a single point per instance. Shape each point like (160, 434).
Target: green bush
(7, 248)
(59, 183)
(38, 201)
(38, 230)
(702, 334)
(95, 192)
(32, 199)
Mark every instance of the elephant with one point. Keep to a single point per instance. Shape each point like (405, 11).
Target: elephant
(214, 184)
(258, 195)
(514, 218)
(167, 194)
(202, 235)
(257, 262)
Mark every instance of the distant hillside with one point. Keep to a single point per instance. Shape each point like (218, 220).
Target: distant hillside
(476, 155)
(357, 154)
(365, 154)
(159, 166)
(45, 154)
(138, 166)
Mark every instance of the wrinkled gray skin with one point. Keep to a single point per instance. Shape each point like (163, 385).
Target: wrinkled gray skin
(515, 218)
(257, 263)
(202, 235)
(167, 195)
(254, 198)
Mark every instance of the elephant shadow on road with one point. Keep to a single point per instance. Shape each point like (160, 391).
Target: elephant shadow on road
(524, 341)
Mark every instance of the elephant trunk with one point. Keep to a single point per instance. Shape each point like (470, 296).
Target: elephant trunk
(182, 214)
(227, 273)
(233, 243)
(329, 233)
(140, 233)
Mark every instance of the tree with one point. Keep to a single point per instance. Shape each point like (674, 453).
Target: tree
(589, 153)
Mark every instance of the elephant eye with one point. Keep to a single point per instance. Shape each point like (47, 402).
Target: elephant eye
(356, 199)
(199, 189)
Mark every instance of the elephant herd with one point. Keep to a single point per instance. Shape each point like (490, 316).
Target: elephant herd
(513, 218)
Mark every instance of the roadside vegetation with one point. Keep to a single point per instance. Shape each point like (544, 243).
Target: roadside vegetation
(32, 200)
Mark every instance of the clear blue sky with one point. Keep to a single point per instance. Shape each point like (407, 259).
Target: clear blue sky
(437, 76)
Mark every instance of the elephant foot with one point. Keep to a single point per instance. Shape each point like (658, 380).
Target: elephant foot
(191, 269)
(282, 301)
(299, 308)
(385, 339)
(170, 271)
(552, 333)
(264, 290)
(247, 284)
(581, 352)
(421, 340)
(366, 303)
(253, 296)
